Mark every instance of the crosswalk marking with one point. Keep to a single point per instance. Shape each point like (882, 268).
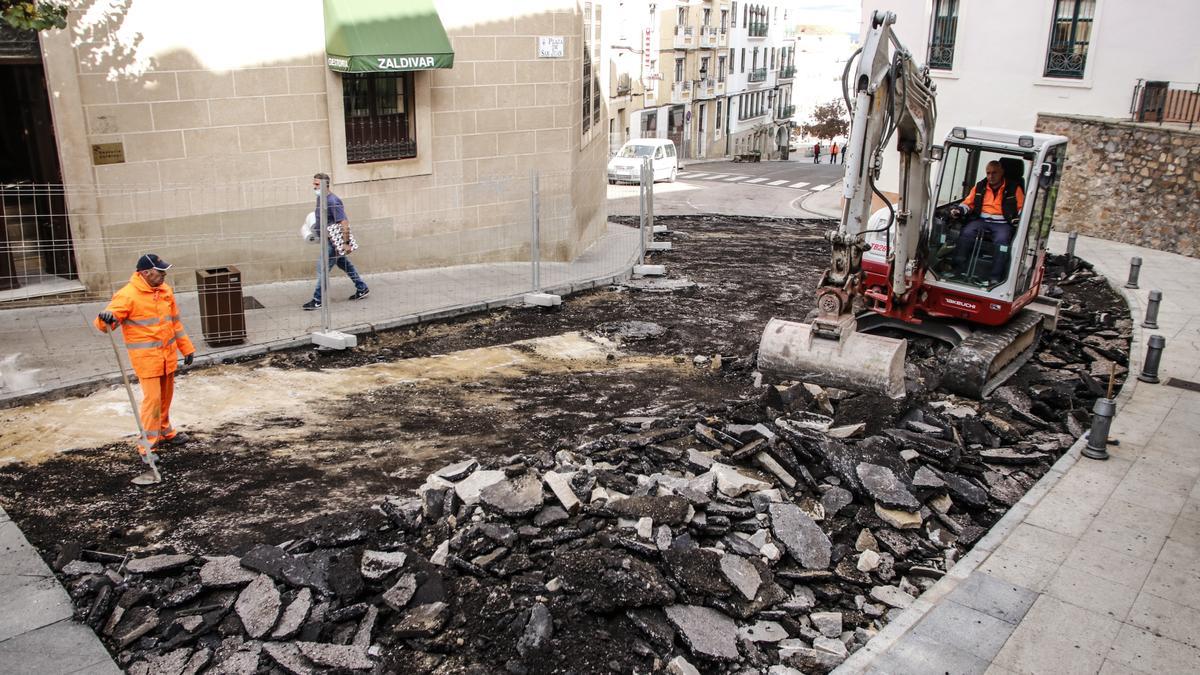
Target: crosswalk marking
(694, 175)
(717, 176)
(777, 182)
(756, 180)
(798, 185)
(734, 178)
(750, 180)
(818, 188)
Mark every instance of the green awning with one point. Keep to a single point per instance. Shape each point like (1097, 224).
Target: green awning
(379, 36)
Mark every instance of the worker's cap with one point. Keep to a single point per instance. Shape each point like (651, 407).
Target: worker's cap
(152, 262)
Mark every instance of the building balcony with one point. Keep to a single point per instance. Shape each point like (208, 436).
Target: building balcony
(758, 29)
(704, 88)
(757, 75)
(720, 89)
(787, 72)
(624, 85)
(712, 37)
(681, 92)
(685, 37)
(786, 112)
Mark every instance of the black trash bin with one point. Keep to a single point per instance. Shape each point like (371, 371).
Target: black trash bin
(222, 316)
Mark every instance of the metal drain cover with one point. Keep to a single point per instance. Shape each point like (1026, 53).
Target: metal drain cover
(1182, 384)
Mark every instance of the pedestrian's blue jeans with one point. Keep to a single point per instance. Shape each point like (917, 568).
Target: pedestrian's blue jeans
(346, 266)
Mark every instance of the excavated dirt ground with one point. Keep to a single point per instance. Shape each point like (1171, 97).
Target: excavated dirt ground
(256, 478)
(517, 381)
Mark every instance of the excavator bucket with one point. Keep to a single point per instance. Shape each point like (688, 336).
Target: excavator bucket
(870, 364)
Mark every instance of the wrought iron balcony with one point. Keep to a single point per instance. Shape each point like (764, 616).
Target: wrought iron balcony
(758, 75)
(941, 55)
(1065, 63)
(787, 71)
(758, 29)
(624, 85)
(787, 111)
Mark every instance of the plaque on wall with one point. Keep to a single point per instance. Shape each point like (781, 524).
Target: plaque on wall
(108, 153)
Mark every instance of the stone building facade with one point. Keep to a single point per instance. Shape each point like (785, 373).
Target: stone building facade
(1129, 182)
(223, 111)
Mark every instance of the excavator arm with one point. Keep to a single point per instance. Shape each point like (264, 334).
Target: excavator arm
(892, 97)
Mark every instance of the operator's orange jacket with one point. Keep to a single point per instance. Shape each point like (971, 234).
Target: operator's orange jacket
(150, 323)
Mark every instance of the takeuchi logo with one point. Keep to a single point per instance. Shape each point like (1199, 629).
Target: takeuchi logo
(959, 303)
(404, 62)
(338, 62)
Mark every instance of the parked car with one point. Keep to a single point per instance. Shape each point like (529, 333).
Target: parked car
(626, 165)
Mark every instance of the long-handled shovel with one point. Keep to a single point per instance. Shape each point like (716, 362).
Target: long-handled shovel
(146, 477)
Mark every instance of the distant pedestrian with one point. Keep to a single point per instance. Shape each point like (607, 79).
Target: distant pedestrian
(341, 244)
(817, 152)
(833, 152)
(148, 315)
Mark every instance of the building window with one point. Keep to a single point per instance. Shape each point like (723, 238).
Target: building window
(720, 69)
(941, 38)
(379, 117)
(681, 16)
(743, 59)
(704, 67)
(734, 24)
(706, 18)
(1070, 35)
(724, 20)
(590, 110)
(678, 70)
(718, 122)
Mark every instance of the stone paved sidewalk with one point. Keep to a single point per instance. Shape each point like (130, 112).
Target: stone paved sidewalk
(37, 633)
(1097, 569)
(56, 348)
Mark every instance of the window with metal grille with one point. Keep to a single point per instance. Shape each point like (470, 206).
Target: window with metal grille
(941, 37)
(379, 116)
(1070, 34)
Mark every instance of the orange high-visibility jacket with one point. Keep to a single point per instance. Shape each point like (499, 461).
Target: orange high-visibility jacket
(150, 323)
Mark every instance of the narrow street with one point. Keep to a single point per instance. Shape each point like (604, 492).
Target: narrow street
(773, 189)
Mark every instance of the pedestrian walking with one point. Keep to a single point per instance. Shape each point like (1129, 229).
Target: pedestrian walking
(817, 152)
(148, 315)
(341, 244)
(833, 153)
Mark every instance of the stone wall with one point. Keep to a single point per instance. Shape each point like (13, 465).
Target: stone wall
(1129, 182)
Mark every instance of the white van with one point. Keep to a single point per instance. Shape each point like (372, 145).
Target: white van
(626, 165)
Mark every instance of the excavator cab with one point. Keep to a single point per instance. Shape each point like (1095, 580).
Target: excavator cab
(955, 250)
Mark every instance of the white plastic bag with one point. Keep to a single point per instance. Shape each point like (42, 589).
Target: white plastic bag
(308, 231)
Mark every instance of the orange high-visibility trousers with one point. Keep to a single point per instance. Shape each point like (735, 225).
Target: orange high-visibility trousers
(156, 407)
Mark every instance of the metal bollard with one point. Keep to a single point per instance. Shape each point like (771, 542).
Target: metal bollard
(1153, 359)
(1102, 418)
(1151, 321)
(1071, 251)
(1135, 268)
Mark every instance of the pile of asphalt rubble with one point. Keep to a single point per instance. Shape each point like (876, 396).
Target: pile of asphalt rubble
(772, 534)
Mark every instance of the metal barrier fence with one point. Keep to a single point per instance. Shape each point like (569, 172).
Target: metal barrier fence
(1166, 102)
(239, 254)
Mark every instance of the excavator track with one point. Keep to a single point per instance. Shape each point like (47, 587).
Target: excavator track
(990, 356)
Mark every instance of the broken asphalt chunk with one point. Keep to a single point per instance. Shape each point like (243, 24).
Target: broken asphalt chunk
(705, 631)
(258, 606)
(801, 535)
(885, 488)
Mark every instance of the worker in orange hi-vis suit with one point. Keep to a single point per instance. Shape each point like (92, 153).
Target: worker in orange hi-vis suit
(145, 309)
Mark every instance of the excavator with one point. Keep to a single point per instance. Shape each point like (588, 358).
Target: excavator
(913, 266)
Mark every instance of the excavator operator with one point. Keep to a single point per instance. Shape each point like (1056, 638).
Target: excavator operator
(992, 206)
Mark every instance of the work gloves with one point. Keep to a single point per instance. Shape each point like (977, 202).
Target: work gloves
(108, 318)
(187, 360)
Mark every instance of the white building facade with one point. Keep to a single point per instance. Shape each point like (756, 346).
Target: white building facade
(762, 58)
(821, 55)
(1000, 65)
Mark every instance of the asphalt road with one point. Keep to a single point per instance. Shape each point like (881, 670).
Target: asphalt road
(773, 189)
